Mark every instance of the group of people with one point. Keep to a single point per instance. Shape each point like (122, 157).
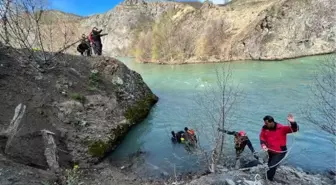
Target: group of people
(92, 41)
(273, 139)
(187, 136)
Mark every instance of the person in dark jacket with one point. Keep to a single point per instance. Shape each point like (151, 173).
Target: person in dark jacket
(84, 46)
(96, 41)
(273, 139)
(178, 137)
(240, 140)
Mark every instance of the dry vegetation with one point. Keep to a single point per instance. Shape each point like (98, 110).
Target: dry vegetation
(166, 41)
(27, 24)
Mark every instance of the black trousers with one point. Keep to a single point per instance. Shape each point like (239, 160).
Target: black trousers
(273, 159)
(97, 47)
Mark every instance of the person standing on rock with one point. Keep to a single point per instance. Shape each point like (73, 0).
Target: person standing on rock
(96, 41)
(84, 46)
(273, 139)
(240, 141)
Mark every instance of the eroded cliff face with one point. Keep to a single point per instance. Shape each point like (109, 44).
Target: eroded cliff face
(245, 29)
(175, 32)
(289, 29)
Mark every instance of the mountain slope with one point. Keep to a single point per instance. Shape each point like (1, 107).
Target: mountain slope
(174, 32)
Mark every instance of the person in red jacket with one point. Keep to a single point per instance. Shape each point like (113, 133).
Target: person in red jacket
(273, 139)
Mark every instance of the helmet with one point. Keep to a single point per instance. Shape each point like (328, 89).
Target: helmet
(242, 133)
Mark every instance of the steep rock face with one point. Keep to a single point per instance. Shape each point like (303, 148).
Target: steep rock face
(289, 29)
(240, 30)
(75, 112)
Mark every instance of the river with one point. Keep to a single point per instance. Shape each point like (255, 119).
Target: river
(274, 88)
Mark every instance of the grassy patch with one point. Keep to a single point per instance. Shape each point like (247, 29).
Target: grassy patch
(78, 97)
(140, 110)
(94, 80)
(98, 148)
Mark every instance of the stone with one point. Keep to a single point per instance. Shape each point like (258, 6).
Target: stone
(230, 182)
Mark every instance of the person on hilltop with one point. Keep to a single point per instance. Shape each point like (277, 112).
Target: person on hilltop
(95, 38)
(240, 140)
(84, 46)
(273, 139)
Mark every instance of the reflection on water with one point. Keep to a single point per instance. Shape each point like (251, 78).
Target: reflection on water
(274, 88)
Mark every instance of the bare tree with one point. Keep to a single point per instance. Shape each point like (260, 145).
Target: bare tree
(21, 25)
(35, 31)
(216, 106)
(4, 11)
(321, 110)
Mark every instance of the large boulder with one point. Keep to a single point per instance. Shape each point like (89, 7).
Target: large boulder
(41, 148)
(19, 174)
(75, 113)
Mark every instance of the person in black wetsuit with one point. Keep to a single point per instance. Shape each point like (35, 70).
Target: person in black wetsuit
(176, 137)
(240, 141)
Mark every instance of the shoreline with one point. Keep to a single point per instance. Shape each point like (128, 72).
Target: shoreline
(199, 61)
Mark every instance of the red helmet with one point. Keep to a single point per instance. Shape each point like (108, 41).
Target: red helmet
(242, 133)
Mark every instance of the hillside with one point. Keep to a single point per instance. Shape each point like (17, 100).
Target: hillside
(190, 32)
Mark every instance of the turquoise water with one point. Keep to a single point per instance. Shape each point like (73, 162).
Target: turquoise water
(274, 88)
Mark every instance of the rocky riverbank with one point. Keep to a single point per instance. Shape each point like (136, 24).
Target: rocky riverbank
(68, 111)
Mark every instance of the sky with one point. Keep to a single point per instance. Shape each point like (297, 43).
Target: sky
(90, 7)
(84, 7)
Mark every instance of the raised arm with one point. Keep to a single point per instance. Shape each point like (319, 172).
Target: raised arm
(227, 132)
(292, 128)
(293, 125)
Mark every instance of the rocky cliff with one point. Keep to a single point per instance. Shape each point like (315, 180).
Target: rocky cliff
(72, 110)
(175, 32)
(191, 32)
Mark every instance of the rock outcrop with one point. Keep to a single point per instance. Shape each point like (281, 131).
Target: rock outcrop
(256, 176)
(74, 112)
(19, 174)
(289, 29)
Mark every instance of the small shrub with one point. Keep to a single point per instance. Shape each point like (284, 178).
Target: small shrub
(78, 97)
(73, 176)
(98, 148)
(94, 80)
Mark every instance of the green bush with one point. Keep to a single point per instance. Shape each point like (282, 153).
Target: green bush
(78, 97)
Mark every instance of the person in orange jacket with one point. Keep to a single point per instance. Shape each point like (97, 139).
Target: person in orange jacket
(190, 135)
(273, 139)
